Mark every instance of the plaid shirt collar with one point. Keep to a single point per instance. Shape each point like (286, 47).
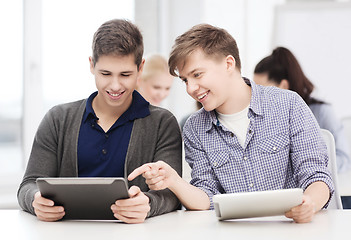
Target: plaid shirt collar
(254, 108)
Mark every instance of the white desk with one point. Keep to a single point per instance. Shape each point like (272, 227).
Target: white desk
(328, 225)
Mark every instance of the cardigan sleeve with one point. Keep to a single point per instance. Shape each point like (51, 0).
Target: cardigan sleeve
(53, 151)
(41, 163)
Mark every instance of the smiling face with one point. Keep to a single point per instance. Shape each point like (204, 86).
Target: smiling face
(115, 79)
(208, 80)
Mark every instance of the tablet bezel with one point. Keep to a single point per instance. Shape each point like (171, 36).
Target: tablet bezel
(84, 198)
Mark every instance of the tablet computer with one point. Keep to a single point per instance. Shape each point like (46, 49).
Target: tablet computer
(84, 198)
(256, 204)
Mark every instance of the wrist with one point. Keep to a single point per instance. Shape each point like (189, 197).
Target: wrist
(176, 182)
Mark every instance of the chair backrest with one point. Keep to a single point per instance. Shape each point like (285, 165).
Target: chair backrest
(346, 122)
(335, 202)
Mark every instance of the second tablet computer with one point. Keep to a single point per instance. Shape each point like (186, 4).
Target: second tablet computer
(84, 198)
(256, 204)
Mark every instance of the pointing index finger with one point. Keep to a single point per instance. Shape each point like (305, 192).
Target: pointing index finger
(138, 171)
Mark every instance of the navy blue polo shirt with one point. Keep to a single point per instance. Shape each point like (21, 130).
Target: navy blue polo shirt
(100, 153)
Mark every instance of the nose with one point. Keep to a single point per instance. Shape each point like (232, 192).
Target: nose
(191, 87)
(115, 84)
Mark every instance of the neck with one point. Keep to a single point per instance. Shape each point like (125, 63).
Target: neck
(103, 110)
(238, 99)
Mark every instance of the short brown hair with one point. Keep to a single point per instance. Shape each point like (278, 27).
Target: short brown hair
(118, 37)
(215, 42)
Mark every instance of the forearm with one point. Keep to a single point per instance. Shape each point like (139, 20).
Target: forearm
(191, 197)
(319, 194)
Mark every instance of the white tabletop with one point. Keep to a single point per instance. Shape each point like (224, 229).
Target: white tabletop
(328, 224)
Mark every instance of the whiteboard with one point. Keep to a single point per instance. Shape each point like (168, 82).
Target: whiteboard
(319, 35)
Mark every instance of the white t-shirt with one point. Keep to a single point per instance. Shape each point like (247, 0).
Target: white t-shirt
(237, 123)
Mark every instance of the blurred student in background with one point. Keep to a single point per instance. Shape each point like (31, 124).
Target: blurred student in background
(281, 69)
(155, 82)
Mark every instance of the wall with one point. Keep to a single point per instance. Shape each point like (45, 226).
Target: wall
(319, 35)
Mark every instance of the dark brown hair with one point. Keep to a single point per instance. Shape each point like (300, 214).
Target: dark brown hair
(215, 42)
(120, 38)
(282, 64)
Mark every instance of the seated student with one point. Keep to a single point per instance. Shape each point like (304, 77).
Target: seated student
(246, 137)
(155, 81)
(281, 69)
(109, 134)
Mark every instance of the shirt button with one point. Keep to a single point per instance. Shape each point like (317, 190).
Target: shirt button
(104, 151)
(106, 135)
(245, 158)
(251, 185)
(274, 148)
(215, 164)
(232, 134)
(92, 125)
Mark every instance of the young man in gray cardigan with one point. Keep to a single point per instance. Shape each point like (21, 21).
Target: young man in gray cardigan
(109, 134)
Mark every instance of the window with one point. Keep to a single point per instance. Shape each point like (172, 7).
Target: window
(68, 28)
(62, 39)
(11, 48)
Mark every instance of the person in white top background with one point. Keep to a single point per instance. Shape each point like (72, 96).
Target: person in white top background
(282, 69)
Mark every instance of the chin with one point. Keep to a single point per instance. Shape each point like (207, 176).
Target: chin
(155, 103)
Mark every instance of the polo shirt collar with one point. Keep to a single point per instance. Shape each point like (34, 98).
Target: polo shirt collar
(138, 109)
(89, 111)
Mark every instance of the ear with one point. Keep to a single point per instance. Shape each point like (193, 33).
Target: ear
(91, 65)
(284, 84)
(141, 67)
(140, 71)
(230, 62)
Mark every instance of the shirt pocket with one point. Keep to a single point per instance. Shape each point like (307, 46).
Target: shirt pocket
(218, 159)
(274, 144)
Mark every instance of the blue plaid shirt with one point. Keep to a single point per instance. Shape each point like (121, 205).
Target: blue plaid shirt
(283, 147)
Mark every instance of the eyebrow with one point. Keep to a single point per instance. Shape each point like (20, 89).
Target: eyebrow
(102, 70)
(124, 72)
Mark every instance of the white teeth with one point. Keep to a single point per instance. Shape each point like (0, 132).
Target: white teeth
(115, 94)
(202, 96)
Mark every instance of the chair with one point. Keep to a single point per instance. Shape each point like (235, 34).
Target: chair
(335, 202)
(346, 122)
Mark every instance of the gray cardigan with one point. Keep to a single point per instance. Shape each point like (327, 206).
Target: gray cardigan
(54, 152)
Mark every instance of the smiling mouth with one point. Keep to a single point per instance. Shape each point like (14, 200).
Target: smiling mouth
(115, 94)
(203, 95)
